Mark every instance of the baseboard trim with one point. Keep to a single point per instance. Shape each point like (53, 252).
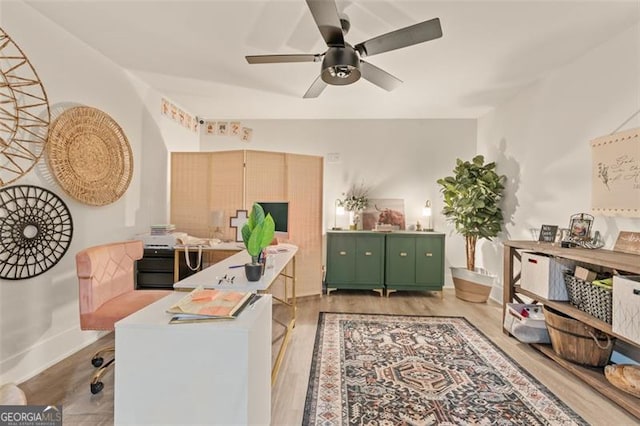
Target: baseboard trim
(44, 354)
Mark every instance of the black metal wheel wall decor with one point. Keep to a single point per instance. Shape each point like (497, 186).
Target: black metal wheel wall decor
(35, 231)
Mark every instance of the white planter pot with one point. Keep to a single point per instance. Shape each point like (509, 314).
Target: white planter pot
(472, 286)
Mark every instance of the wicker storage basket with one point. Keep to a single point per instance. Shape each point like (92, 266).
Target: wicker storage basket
(574, 286)
(577, 342)
(590, 298)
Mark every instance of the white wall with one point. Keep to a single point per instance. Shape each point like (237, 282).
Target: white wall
(39, 322)
(394, 158)
(540, 140)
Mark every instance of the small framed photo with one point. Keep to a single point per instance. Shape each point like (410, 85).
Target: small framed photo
(580, 226)
(548, 233)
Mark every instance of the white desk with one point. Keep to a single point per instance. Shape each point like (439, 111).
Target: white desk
(213, 277)
(205, 373)
(210, 276)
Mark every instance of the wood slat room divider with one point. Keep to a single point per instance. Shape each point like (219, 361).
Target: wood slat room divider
(204, 182)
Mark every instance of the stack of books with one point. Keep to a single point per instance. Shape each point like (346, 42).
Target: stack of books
(162, 229)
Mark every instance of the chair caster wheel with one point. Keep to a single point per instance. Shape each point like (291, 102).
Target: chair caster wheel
(97, 361)
(96, 387)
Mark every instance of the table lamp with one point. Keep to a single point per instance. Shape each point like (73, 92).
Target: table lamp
(216, 222)
(427, 214)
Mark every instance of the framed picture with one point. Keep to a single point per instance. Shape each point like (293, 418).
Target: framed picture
(548, 233)
(580, 226)
(387, 213)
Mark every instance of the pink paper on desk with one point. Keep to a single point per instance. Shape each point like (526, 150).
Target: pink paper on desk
(233, 297)
(205, 295)
(215, 310)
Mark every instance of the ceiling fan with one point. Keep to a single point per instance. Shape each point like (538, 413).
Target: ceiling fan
(342, 63)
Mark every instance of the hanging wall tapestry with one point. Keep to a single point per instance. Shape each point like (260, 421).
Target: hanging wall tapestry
(24, 113)
(89, 156)
(35, 231)
(615, 179)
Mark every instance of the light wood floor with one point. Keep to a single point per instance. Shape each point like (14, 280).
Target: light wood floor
(66, 383)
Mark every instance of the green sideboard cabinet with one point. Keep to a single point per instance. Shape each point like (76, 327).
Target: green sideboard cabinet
(355, 260)
(414, 261)
(401, 260)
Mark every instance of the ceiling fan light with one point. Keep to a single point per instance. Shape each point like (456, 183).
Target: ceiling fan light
(340, 66)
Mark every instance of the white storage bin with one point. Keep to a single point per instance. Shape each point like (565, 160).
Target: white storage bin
(626, 307)
(543, 276)
(530, 329)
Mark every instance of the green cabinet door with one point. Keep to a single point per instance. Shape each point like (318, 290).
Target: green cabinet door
(355, 260)
(341, 259)
(415, 261)
(400, 259)
(430, 261)
(369, 260)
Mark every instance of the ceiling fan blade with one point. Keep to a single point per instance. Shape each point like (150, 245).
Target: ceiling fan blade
(325, 13)
(275, 59)
(316, 88)
(408, 36)
(379, 77)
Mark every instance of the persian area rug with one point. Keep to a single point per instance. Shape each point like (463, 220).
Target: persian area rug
(414, 370)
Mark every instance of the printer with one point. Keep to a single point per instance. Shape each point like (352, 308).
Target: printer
(167, 241)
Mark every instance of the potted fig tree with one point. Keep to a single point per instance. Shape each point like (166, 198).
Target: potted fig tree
(257, 234)
(472, 203)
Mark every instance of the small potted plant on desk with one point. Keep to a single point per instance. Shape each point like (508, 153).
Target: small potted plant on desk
(472, 203)
(257, 234)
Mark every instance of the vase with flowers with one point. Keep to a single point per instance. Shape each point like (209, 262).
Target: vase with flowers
(355, 200)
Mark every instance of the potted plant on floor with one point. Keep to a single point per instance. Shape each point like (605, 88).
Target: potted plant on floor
(257, 234)
(472, 203)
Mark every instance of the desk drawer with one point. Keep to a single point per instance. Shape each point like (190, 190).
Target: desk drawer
(155, 280)
(155, 264)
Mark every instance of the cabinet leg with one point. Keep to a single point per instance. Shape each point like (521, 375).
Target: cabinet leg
(390, 290)
(379, 290)
(329, 290)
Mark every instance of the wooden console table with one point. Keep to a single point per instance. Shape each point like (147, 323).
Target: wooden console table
(606, 259)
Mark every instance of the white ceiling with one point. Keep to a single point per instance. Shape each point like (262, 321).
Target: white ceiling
(193, 51)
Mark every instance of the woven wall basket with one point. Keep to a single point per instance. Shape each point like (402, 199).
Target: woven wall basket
(89, 155)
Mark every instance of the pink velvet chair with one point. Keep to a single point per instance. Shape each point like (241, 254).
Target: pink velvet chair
(107, 292)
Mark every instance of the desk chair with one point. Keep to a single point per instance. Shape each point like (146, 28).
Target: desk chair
(107, 293)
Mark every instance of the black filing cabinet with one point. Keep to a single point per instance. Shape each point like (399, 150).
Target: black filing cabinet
(155, 269)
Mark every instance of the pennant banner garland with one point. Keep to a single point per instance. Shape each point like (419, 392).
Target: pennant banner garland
(181, 117)
(228, 128)
(216, 128)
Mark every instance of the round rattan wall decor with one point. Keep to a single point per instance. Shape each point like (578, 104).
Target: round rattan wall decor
(24, 113)
(89, 156)
(35, 231)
